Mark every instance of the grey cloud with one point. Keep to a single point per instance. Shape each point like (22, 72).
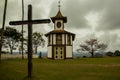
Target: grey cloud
(111, 17)
(14, 11)
(1, 12)
(78, 9)
(75, 16)
(111, 39)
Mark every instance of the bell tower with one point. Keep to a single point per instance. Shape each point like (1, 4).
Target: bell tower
(60, 42)
(59, 20)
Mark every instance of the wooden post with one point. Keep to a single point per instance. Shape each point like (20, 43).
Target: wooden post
(3, 26)
(22, 28)
(30, 42)
(29, 22)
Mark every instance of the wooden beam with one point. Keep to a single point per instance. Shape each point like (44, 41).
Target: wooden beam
(31, 22)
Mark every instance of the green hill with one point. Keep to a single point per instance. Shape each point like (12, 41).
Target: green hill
(76, 69)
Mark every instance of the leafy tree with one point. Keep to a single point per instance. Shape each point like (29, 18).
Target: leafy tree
(3, 45)
(37, 40)
(23, 48)
(12, 37)
(117, 53)
(92, 46)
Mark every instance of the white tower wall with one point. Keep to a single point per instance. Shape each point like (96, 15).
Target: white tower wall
(54, 39)
(49, 51)
(63, 38)
(69, 51)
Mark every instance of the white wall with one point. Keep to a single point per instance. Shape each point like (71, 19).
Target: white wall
(69, 51)
(49, 52)
(50, 39)
(63, 38)
(71, 40)
(54, 38)
(66, 38)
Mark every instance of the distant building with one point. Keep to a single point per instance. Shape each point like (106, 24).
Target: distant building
(60, 41)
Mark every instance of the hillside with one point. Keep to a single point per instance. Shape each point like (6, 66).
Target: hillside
(75, 69)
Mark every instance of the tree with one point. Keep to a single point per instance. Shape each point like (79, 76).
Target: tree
(117, 53)
(92, 46)
(12, 37)
(23, 47)
(109, 53)
(37, 40)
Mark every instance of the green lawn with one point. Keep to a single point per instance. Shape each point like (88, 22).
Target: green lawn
(76, 69)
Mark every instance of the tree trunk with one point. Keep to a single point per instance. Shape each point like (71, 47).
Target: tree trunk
(11, 51)
(22, 27)
(0, 51)
(19, 51)
(92, 53)
(36, 49)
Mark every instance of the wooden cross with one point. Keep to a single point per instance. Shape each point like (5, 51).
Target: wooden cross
(30, 22)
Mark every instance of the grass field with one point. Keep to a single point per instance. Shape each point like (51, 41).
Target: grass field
(76, 69)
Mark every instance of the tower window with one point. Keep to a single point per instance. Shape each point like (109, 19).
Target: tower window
(58, 24)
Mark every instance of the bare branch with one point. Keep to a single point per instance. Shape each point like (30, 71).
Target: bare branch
(92, 46)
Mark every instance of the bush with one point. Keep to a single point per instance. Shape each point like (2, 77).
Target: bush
(4, 52)
(109, 53)
(98, 55)
(84, 56)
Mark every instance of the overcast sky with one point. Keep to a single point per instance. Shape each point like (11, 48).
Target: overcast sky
(86, 18)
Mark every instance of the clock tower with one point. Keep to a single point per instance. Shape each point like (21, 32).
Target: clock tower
(60, 41)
